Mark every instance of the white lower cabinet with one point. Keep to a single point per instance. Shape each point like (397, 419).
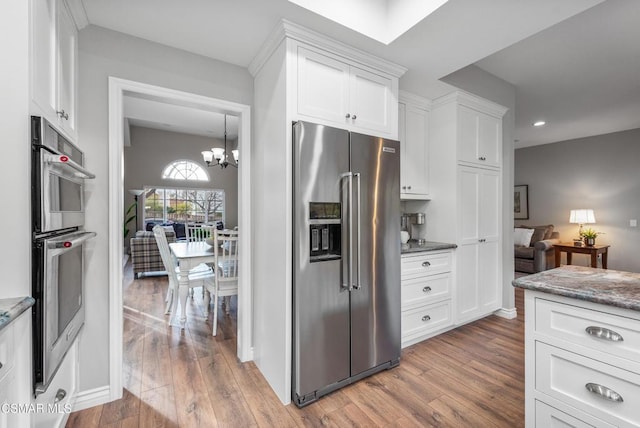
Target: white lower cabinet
(426, 282)
(581, 364)
(58, 400)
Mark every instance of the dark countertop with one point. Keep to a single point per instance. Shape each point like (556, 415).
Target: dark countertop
(413, 247)
(604, 286)
(10, 309)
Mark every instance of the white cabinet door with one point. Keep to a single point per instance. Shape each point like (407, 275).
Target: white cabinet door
(43, 57)
(412, 131)
(66, 70)
(323, 87)
(479, 138)
(335, 93)
(479, 254)
(371, 102)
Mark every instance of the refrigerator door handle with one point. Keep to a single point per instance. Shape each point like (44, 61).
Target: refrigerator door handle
(358, 284)
(346, 243)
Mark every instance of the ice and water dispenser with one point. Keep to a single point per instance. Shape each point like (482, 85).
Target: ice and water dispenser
(324, 231)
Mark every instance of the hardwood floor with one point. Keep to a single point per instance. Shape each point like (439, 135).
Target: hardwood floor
(472, 376)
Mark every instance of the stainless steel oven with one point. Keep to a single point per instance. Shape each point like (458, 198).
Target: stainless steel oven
(58, 272)
(58, 247)
(58, 178)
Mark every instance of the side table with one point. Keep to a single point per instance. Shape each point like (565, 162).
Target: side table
(593, 250)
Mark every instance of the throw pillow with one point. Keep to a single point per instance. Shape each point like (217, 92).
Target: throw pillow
(522, 237)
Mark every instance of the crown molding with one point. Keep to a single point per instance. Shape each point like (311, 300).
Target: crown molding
(472, 101)
(410, 98)
(290, 30)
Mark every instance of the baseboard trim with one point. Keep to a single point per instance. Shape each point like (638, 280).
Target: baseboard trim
(92, 397)
(507, 313)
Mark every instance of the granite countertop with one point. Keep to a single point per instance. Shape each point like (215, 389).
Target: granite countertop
(608, 287)
(10, 309)
(414, 247)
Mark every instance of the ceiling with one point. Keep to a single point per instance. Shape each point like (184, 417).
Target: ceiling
(564, 63)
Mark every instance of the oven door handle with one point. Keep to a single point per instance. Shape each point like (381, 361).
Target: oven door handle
(65, 162)
(74, 241)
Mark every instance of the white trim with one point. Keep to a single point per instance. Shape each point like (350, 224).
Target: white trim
(78, 13)
(92, 397)
(471, 101)
(297, 32)
(117, 90)
(410, 98)
(506, 313)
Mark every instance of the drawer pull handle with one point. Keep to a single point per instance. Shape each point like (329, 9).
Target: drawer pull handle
(426, 289)
(482, 158)
(426, 318)
(60, 395)
(604, 333)
(426, 264)
(604, 392)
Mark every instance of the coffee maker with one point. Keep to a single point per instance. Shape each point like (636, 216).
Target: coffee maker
(413, 223)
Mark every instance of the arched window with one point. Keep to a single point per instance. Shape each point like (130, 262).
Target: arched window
(185, 170)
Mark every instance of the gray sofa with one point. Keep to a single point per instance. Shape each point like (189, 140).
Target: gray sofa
(538, 256)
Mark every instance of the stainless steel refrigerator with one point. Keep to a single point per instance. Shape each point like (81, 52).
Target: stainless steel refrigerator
(346, 267)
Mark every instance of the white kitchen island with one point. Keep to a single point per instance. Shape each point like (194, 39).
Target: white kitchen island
(582, 347)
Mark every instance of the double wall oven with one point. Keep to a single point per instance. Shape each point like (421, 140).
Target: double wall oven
(58, 247)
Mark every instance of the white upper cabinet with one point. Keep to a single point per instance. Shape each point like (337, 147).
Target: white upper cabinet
(54, 50)
(335, 92)
(480, 141)
(413, 123)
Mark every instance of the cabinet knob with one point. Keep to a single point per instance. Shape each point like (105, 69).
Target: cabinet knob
(409, 187)
(426, 289)
(482, 158)
(404, 187)
(347, 115)
(354, 117)
(60, 395)
(482, 240)
(1, 365)
(426, 318)
(63, 115)
(426, 264)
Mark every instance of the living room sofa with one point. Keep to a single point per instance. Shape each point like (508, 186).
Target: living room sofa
(539, 255)
(145, 255)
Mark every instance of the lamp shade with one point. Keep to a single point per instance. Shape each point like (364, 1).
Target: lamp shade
(136, 192)
(582, 216)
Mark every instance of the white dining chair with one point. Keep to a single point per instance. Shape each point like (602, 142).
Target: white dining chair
(199, 232)
(200, 276)
(226, 276)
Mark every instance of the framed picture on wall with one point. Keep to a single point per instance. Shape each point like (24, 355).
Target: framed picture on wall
(521, 202)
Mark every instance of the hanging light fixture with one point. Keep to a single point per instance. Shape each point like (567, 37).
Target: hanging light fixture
(221, 155)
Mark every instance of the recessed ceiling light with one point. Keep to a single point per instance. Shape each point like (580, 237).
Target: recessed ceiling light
(539, 123)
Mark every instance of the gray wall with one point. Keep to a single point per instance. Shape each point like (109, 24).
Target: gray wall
(152, 150)
(486, 85)
(104, 53)
(599, 172)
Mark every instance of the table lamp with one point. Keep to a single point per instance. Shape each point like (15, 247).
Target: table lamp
(582, 217)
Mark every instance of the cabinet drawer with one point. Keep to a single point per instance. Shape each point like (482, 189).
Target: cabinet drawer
(6, 351)
(422, 320)
(550, 417)
(60, 395)
(423, 290)
(565, 376)
(425, 264)
(570, 323)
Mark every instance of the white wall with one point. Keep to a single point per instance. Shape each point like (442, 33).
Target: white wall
(104, 53)
(599, 172)
(486, 85)
(155, 149)
(16, 150)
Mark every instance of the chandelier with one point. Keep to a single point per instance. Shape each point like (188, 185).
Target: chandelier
(221, 155)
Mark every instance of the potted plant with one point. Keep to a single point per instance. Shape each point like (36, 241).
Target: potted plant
(589, 235)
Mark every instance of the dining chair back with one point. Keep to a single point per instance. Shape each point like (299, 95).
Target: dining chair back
(226, 266)
(199, 232)
(198, 277)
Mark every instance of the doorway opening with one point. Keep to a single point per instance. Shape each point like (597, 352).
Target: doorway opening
(118, 90)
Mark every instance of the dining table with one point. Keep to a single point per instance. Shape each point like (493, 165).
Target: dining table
(188, 255)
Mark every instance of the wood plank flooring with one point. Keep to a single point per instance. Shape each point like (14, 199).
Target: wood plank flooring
(469, 377)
